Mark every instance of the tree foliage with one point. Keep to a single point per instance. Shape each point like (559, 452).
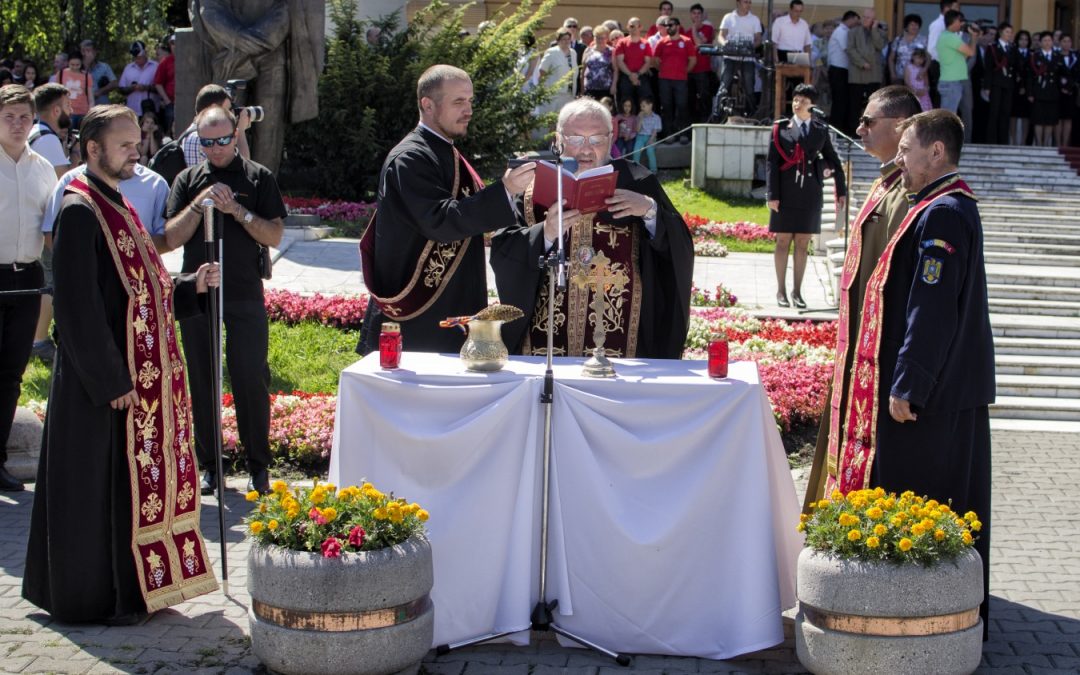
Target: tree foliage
(367, 94)
(37, 29)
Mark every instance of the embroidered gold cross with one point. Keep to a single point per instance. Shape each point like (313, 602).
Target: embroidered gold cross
(598, 274)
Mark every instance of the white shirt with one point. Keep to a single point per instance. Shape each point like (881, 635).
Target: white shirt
(791, 37)
(48, 145)
(735, 25)
(146, 190)
(838, 47)
(937, 26)
(25, 186)
(555, 64)
(133, 74)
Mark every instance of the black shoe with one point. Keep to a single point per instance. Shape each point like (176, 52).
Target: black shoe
(208, 483)
(9, 483)
(798, 301)
(260, 481)
(129, 619)
(44, 350)
(781, 299)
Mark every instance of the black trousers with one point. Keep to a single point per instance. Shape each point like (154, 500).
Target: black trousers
(625, 89)
(998, 116)
(18, 322)
(838, 91)
(745, 70)
(247, 336)
(700, 96)
(674, 101)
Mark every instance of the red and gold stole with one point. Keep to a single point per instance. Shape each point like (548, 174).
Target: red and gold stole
(850, 458)
(169, 551)
(435, 266)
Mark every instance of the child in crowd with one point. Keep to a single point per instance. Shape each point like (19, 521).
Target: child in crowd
(649, 125)
(616, 151)
(626, 125)
(916, 79)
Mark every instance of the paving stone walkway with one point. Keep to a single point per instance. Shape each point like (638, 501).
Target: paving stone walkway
(1035, 584)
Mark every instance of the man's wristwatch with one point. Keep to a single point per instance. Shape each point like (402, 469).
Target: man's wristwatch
(651, 213)
(248, 217)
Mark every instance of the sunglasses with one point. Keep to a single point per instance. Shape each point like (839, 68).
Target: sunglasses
(868, 121)
(578, 141)
(221, 140)
(571, 25)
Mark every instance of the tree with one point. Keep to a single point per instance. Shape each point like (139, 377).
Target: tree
(367, 94)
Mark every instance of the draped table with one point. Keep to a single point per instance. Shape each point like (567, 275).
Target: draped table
(672, 514)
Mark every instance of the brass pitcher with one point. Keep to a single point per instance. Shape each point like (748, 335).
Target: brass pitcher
(484, 351)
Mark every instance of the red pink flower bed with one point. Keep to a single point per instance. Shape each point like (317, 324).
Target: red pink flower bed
(337, 311)
(703, 229)
(355, 212)
(301, 427)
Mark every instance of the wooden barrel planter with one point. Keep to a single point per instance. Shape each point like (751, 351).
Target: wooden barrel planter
(881, 617)
(367, 613)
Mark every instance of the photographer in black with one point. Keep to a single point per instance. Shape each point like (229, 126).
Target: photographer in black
(251, 214)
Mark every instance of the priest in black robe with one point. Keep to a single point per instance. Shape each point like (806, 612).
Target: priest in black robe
(85, 559)
(423, 252)
(640, 231)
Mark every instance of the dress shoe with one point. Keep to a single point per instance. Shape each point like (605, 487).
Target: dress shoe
(44, 350)
(260, 481)
(781, 299)
(798, 301)
(9, 483)
(208, 483)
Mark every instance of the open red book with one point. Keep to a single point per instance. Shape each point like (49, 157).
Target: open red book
(585, 192)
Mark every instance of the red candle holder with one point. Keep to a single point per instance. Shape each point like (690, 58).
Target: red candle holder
(390, 345)
(718, 358)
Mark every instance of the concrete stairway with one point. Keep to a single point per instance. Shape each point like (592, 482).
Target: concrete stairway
(1029, 200)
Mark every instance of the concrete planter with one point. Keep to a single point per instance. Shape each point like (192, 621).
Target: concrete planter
(367, 613)
(880, 617)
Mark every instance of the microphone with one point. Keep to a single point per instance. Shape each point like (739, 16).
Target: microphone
(817, 111)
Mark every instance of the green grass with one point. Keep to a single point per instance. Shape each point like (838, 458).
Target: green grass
(721, 208)
(307, 357)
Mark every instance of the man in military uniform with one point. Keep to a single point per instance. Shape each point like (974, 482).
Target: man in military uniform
(877, 220)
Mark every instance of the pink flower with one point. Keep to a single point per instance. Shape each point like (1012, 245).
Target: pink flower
(318, 518)
(356, 537)
(331, 548)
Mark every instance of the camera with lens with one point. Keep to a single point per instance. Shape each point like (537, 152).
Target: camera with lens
(237, 90)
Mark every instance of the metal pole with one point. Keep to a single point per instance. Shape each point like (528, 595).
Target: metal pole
(215, 351)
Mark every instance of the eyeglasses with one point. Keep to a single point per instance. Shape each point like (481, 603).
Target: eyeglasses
(868, 121)
(578, 141)
(221, 140)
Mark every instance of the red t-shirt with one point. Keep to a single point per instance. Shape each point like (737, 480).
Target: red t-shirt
(674, 54)
(166, 76)
(634, 53)
(704, 63)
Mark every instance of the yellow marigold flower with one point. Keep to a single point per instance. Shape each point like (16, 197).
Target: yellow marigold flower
(960, 522)
(423, 515)
(970, 516)
(801, 527)
(293, 512)
(939, 535)
(279, 487)
(256, 526)
(889, 503)
(920, 501)
(330, 513)
(944, 508)
(318, 495)
(976, 525)
(836, 496)
(329, 487)
(822, 504)
(367, 486)
(803, 517)
(272, 525)
(967, 538)
(262, 507)
(872, 542)
(380, 513)
(880, 530)
(905, 544)
(874, 513)
(907, 494)
(414, 508)
(854, 535)
(917, 529)
(879, 492)
(915, 510)
(252, 496)
(928, 524)
(396, 516)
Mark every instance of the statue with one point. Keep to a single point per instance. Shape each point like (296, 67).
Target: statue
(277, 47)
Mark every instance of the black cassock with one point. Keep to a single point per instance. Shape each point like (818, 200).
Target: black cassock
(79, 562)
(666, 268)
(794, 175)
(937, 353)
(416, 206)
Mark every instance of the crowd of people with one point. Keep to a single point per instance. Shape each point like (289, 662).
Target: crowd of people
(1007, 86)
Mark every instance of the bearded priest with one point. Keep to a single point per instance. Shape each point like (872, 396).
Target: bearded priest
(639, 231)
(114, 532)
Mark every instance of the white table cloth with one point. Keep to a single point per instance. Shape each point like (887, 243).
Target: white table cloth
(673, 510)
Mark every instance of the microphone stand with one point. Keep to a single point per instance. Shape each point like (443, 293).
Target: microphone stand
(215, 363)
(542, 615)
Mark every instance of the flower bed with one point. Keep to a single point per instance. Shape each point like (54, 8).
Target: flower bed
(301, 427)
(702, 298)
(704, 229)
(337, 311)
(354, 212)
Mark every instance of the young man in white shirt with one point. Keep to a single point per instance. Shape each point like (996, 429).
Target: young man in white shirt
(791, 33)
(839, 113)
(937, 27)
(742, 28)
(26, 180)
(53, 105)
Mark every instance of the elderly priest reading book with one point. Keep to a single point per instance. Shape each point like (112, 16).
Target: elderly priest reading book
(637, 229)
